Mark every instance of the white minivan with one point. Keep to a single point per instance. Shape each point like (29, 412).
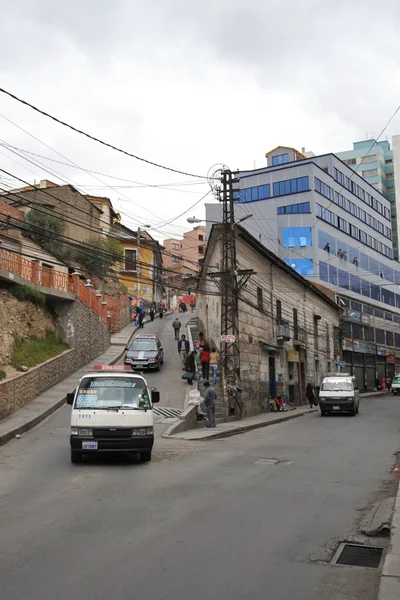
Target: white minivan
(112, 411)
(339, 392)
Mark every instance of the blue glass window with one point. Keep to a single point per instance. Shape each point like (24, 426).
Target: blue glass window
(398, 300)
(333, 276)
(291, 186)
(323, 271)
(343, 279)
(293, 209)
(374, 266)
(387, 296)
(253, 194)
(326, 242)
(303, 266)
(355, 284)
(375, 292)
(296, 236)
(365, 288)
(280, 159)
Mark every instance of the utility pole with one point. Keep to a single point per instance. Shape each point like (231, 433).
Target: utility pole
(230, 282)
(138, 267)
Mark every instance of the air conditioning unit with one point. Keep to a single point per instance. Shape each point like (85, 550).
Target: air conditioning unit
(283, 332)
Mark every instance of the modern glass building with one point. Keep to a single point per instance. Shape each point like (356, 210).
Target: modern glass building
(376, 163)
(333, 227)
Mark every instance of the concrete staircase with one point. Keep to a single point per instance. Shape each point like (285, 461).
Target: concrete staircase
(219, 408)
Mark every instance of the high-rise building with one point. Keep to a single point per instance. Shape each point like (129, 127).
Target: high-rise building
(333, 227)
(377, 163)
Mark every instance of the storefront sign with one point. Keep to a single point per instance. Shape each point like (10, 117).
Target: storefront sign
(230, 339)
(347, 344)
(391, 359)
(293, 356)
(371, 348)
(382, 351)
(360, 346)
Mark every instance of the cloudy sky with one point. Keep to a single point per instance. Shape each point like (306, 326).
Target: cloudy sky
(189, 84)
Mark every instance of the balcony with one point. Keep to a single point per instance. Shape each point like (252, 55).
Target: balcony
(283, 331)
(299, 337)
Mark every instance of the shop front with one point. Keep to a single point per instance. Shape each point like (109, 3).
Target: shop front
(381, 354)
(397, 356)
(360, 360)
(370, 367)
(391, 364)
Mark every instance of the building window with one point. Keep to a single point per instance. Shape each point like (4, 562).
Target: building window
(200, 238)
(350, 161)
(369, 173)
(291, 186)
(316, 340)
(259, 298)
(295, 324)
(294, 209)
(278, 311)
(253, 194)
(296, 236)
(370, 158)
(303, 266)
(176, 259)
(130, 259)
(280, 159)
(323, 271)
(176, 246)
(201, 249)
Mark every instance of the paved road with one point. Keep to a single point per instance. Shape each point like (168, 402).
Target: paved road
(212, 523)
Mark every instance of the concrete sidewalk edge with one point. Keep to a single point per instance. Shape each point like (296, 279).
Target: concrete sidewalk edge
(389, 586)
(30, 424)
(243, 428)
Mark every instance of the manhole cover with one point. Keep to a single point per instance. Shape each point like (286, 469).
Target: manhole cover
(359, 556)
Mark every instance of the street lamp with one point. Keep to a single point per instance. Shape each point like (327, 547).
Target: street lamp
(139, 229)
(196, 220)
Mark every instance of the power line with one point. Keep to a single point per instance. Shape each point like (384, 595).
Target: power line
(95, 139)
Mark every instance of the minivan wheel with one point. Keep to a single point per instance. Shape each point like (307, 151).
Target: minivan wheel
(76, 456)
(357, 409)
(323, 413)
(145, 456)
(353, 412)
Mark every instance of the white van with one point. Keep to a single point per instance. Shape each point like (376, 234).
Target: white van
(396, 384)
(339, 392)
(112, 411)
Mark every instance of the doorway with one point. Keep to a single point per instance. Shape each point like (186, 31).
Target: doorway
(272, 377)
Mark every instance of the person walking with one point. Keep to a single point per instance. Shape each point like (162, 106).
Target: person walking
(142, 313)
(192, 305)
(214, 361)
(205, 361)
(201, 341)
(176, 325)
(310, 395)
(152, 312)
(183, 349)
(210, 399)
(190, 367)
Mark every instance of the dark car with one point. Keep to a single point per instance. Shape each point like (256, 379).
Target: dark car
(145, 352)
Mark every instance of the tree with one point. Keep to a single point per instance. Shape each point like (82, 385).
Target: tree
(46, 229)
(98, 254)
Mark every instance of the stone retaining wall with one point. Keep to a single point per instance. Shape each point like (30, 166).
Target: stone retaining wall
(91, 339)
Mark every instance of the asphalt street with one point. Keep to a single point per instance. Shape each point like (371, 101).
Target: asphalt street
(205, 521)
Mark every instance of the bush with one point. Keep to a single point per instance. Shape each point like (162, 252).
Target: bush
(26, 292)
(3, 375)
(98, 254)
(36, 350)
(46, 229)
(123, 288)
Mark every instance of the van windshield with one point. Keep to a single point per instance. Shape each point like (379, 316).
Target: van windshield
(103, 393)
(337, 386)
(396, 380)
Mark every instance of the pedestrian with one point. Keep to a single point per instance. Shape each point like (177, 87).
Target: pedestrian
(152, 312)
(201, 341)
(214, 361)
(210, 399)
(310, 395)
(183, 349)
(192, 305)
(205, 361)
(141, 317)
(190, 368)
(176, 325)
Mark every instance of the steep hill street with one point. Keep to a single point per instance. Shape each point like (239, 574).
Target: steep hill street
(216, 521)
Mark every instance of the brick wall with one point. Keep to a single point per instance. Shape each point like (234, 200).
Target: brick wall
(118, 307)
(92, 339)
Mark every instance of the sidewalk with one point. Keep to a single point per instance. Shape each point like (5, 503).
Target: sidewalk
(48, 402)
(235, 427)
(389, 587)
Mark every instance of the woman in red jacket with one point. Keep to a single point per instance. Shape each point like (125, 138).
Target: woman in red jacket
(205, 360)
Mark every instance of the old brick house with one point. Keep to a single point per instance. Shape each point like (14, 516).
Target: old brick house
(287, 326)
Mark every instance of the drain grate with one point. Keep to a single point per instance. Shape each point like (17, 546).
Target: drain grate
(166, 412)
(359, 556)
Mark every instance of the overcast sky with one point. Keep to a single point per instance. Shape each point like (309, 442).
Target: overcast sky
(189, 84)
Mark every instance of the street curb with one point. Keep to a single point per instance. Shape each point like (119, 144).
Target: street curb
(389, 586)
(245, 428)
(6, 437)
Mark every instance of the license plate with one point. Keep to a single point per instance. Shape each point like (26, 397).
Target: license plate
(335, 407)
(89, 445)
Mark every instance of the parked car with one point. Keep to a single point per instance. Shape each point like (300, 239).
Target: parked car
(145, 352)
(396, 385)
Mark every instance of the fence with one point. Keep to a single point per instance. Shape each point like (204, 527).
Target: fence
(47, 277)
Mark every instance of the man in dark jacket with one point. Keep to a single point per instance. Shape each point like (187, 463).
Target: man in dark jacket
(183, 349)
(210, 400)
